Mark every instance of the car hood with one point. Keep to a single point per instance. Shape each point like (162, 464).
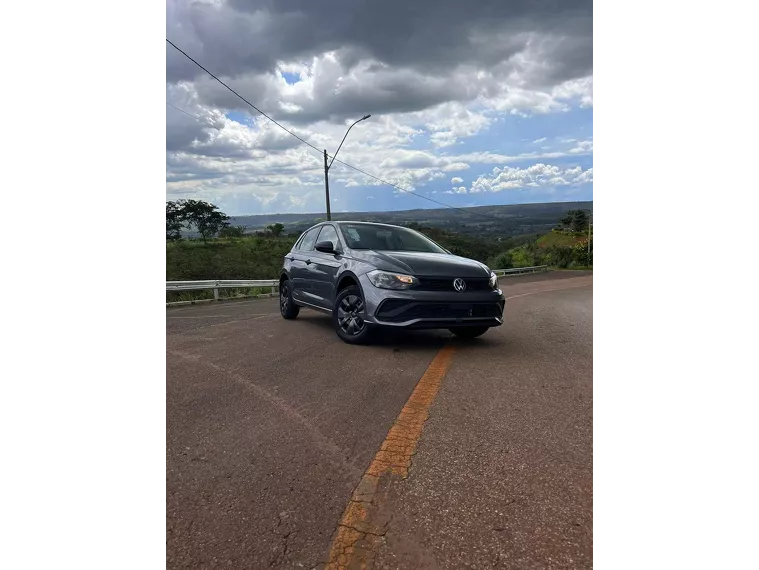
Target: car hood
(424, 264)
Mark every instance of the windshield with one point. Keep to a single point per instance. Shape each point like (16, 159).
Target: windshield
(387, 238)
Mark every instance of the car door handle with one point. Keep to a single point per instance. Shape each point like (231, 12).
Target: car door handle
(291, 258)
(308, 262)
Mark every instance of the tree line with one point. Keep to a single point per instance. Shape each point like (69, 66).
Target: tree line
(260, 253)
(574, 221)
(206, 219)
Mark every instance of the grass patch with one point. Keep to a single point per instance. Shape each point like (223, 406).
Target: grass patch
(557, 239)
(249, 257)
(205, 294)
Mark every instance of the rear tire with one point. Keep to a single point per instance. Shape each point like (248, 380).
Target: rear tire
(348, 316)
(287, 307)
(469, 332)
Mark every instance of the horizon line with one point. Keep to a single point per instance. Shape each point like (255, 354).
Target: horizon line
(408, 210)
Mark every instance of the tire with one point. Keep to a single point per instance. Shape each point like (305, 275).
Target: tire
(348, 316)
(469, 332)
(287, 307)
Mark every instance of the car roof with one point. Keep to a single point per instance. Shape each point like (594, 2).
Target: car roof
(368, 223)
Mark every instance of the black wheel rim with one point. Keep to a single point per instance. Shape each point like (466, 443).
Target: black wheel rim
(284, 299)
(350, 315)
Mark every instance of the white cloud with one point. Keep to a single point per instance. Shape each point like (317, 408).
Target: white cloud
(429, 94)
(582, 147)
(536, 176)
(538, 141)
(455, 167)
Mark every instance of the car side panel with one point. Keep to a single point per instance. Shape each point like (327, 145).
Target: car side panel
(325, 267)
(300, 261)
(323, 273)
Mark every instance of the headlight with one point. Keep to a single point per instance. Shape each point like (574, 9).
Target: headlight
(493, 281)
(386, 280)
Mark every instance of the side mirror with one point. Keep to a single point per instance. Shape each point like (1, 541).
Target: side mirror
(325, 247)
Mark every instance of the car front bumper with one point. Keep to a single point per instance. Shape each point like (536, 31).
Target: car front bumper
(431, 309)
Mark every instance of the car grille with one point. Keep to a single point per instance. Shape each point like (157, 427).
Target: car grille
(399, 310)
(446, 284)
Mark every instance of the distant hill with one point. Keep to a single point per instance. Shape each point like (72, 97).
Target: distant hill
(485, 221)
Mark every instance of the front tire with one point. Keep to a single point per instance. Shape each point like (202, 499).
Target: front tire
(287, 307)
(469, 332)
(349, 316)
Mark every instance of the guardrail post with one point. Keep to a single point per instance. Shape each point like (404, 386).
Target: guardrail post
(216, 293)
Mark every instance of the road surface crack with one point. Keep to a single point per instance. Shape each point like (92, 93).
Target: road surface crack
(335, 455)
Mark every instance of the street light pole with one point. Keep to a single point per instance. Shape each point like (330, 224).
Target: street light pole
(328, 166)
(326, 183)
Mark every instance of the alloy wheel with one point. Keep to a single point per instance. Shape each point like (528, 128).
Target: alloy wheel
(284, 299)
(350, 316)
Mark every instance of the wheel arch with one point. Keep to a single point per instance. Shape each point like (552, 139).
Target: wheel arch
(347, 279)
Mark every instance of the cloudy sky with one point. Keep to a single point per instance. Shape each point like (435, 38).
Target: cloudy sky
(472, 103)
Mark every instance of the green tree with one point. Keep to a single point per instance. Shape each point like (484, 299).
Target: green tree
(276, 229)
(504, 260)
(560, 257)
(528, 255)
(580, 255)
(575, 221)
(580, 221)
(174, 221)
(207, 219)
(232, 231)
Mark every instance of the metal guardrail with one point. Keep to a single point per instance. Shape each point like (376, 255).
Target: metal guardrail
(274, 283)
(520, 270)
(219, 284)
(222, 284)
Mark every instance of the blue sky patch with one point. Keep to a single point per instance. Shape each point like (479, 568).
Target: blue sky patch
(291, 78)
(242, 118)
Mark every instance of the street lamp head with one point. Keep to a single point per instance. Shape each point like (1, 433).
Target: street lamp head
(327, 166)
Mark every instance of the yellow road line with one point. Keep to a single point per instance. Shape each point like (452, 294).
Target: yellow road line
(363, 522)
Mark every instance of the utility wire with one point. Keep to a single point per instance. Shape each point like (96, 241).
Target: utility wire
(192, 116)
(412, 192)
(196, 117)
(240, 96)
(312, 146)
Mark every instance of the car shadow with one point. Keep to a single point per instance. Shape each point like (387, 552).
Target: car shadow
(399, 338)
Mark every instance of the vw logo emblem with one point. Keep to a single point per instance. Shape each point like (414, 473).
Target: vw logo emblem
(459, 284)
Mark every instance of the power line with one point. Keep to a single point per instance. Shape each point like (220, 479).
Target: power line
(240, 96)
(192, 116)
(315, 148)
(412, 192)
(197, 117)
(357, 169)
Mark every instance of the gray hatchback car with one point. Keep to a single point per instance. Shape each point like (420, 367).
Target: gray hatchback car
(369, 275)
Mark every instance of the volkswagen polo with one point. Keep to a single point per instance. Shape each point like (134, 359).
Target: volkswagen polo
(369, 275)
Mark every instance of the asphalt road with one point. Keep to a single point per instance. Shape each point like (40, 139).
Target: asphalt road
(272, 423)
